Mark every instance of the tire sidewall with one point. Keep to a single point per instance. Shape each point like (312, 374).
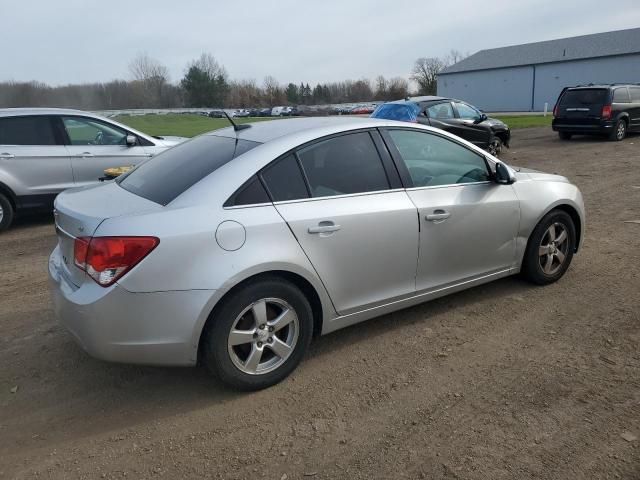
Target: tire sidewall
(215, 352)
(532, 268)
(7, 209)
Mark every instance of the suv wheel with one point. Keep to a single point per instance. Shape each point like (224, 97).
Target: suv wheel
(6, 213)
(258, 335)
(564, 135)
(550, 248)
(495, 147)
(619, 131)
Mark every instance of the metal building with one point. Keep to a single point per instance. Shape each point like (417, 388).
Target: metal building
(524, 77)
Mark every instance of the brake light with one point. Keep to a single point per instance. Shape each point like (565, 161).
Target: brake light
(555, 110)
(106, 259)
(606, 112)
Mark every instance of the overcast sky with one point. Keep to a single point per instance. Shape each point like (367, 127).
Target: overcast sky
(72, 41)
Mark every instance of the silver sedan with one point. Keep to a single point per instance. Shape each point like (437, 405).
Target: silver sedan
(235, 248)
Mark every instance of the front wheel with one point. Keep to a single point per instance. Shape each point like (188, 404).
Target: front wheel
(258, 335)
(550, 248)
(495, 147)
(6, 213)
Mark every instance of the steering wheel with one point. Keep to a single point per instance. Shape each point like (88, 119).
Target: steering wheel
(476, 174)
(99, 138)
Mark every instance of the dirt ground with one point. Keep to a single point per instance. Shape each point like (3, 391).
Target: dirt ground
(504, 381)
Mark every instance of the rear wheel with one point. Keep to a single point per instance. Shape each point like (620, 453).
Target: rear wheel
(6, 213)
(258, 335)
(619, 131)
(550, 248)
(564, 135)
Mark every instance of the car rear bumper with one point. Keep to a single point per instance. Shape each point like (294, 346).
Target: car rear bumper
(113, 324)
(602, 128)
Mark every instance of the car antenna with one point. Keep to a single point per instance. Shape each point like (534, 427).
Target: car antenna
(236, 127)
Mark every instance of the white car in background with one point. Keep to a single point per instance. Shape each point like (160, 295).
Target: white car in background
(44, 151)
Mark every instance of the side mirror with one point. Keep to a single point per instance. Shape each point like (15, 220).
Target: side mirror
(481, 118)
(132, 140)
(503, 174)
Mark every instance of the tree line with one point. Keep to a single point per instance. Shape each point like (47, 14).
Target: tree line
(207, 84)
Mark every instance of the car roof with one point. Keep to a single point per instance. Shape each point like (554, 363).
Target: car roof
(263, 132)
(10, 112)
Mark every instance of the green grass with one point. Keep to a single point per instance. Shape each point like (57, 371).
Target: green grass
(526, 121)
(192, 125)
(180, 125)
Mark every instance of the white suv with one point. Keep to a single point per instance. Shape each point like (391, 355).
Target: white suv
(45, 151)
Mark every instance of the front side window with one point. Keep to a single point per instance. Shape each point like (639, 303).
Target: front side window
(30, 130)
(162, 178)
(433, 160)
(343, 165)
(440, 111)
(467, 112)
(87, 131)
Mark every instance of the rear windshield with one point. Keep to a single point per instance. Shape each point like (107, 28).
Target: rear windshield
(405, 112)
(169, 174)
(586, 96)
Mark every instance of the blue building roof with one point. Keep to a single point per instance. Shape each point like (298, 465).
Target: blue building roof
(620, 42)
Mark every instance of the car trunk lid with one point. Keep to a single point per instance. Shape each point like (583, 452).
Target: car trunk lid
(583, 106)
(79, 213)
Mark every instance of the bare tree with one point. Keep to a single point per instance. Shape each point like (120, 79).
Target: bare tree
(208, 64)
(454, 57)
(425, 73)
(144, 68)
(398, 88)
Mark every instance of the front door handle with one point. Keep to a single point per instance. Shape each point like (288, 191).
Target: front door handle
(324, 227)
(6, 155)
(438, 216)
(85, 155)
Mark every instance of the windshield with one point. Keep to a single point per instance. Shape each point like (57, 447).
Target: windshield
(164, 177)
(404, 112)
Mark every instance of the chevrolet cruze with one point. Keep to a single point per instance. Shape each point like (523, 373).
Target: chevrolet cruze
(235, 248)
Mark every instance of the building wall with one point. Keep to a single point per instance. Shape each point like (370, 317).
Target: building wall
(511, 89)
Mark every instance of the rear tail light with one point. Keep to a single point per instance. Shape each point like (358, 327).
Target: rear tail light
(555, 110)
(606, 112)
(106, 259)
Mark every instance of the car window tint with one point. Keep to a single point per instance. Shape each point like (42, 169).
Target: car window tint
(635, 94)
(250, 193)
(87, 131)
(162, 178)
(342, 165)
(433, 160)
(584, 96)
(30, 130)
(440, 111)
(284, 180)
(621, 95)
(467, 112)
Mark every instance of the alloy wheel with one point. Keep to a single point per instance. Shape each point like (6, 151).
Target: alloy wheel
(553, 248)
(263, 336)
(621, 130)
(1, 214)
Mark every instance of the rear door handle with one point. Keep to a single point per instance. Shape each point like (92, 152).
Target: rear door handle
(85, 155)
(324, 227)
(6, 155)
(438, 215)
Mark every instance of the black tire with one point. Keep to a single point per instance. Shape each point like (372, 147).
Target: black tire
(495, 147)
(532, 268)
(6, 213)
(564, 135)
(216, 354)
(619, 132)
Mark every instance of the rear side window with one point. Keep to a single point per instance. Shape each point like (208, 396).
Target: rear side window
(343, 165)
(284, 180)
(31, 130)
(251, 193)
(634, 92)
(585, 96)
(164, 177)
(621, 95)
(404, 112)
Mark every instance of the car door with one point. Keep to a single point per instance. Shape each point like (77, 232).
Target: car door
(34, 162)
(344, 204)
(468, 223)
(466, 123)
(95, 145)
